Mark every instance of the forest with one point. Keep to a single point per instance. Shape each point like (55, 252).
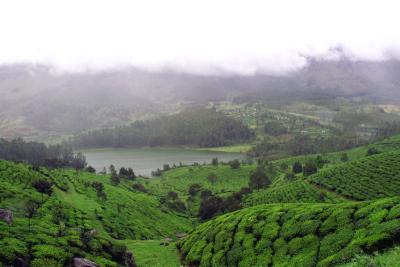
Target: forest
(196, 127)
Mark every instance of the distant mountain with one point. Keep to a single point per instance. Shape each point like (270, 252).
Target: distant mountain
(37, 100)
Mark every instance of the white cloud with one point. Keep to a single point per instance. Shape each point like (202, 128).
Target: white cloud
(194, 36)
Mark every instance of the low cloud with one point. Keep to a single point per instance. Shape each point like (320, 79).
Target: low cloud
(200, 37)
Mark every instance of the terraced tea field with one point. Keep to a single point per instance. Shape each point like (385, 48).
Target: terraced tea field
(291, 192)
(294, 234)
(370, 177)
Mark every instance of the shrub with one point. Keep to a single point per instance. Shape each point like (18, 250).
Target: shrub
(235, 164)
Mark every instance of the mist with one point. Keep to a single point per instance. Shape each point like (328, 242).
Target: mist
(203, 37)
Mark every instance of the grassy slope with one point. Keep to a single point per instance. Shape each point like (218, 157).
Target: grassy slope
(294, 234)
(180, 179)
(124, 215)
(151, 253)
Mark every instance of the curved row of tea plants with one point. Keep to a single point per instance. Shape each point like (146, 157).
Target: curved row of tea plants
(294, 234)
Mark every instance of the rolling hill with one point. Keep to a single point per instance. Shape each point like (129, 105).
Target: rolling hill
(294, 234)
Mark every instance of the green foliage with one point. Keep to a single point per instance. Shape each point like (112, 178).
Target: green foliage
(259, 178)
(297, 167)
(310, 167)
(293, 234)
(75, 222)
(197, 126)
(291, 192)
(275, 128)
(235, 164)
(367, 178)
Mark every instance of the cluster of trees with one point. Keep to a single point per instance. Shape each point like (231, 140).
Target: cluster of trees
(212, 205)
(124, 173)
(197, 126)
(38, 154)
(311, 166)
(304, 145)
(172, 201)
(275, 128)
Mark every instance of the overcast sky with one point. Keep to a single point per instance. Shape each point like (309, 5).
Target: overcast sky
(195, 36)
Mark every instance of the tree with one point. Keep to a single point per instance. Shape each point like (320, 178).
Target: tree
(214, 161)
(297, 167)
(209, 207)
(112, 168)
(205, 194)
(258, 178)
(139, 187)
(99, 190)
(123, 173)
(90, 169)
(157, 172)
(320, 161)
(131, 174)
(30, 208)
(43, 186)
(212, 177)
(166, 167)
(275, 128)
(235, 164)
(309, 168)
(344, 157)
(372, 151)
(115, 178)
(193, 189)
(79, 161)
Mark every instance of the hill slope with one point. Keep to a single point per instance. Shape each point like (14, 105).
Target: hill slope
(366, 178)
(294, 234)
(74, 220)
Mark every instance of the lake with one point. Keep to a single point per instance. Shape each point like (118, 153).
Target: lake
(145, 160)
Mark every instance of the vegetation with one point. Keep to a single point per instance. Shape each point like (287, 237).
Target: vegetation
(291, 192)
(366, 178)
(294, 234)
(38, 154)
(74, 219)
(197, 127)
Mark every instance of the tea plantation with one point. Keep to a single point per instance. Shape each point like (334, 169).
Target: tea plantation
(344, 213)
(291, 192)
(370, 177)
(294, 234)
(73, 221)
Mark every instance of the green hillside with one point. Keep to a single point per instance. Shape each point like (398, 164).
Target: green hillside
(74, 220)
(303, 220)
(291, 192)
(180, 179)
(370, 177)
(294, 234)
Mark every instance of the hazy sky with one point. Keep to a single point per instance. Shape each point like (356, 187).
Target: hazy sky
(195, 36)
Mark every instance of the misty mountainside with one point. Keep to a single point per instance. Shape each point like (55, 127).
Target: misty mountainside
(196, 127)
(38, 100)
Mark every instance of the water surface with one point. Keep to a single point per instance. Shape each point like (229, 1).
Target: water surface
(145, 160)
